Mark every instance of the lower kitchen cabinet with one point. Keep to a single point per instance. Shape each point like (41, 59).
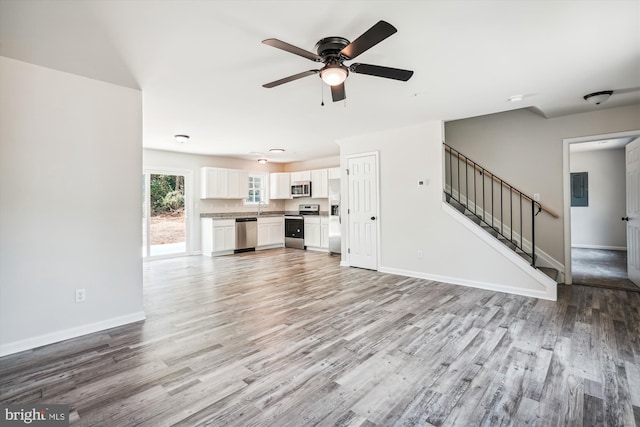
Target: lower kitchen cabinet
(324, 232)
(316, 232)
(270, 232)
(218, 236)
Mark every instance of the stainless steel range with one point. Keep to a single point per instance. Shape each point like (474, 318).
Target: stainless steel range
(294, 226)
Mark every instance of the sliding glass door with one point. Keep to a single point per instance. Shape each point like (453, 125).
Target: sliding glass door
(164, 223)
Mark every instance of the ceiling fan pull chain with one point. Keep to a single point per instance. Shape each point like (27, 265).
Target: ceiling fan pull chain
(322, 91)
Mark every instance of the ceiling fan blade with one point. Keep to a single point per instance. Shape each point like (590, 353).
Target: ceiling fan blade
(338, 93)
(292, 49)
(378, 71)
(290, 78)
(370, 38)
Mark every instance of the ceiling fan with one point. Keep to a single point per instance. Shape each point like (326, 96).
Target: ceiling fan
(333, 51)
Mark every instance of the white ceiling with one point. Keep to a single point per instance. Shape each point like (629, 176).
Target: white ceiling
(603, 144)
(201, 65)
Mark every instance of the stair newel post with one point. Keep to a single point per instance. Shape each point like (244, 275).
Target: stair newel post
(533, 234)
(475, 190)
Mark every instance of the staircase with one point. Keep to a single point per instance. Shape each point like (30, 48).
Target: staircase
(496, 206)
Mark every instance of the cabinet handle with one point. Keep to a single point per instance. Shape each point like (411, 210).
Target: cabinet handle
(625, 218)
(373, 218)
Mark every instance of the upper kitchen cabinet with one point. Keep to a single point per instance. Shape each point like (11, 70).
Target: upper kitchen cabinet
(334, 173)
(319, 184)
(280, 185)
(218, 183)
(300, 176)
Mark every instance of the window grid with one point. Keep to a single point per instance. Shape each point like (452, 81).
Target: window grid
(257, 191)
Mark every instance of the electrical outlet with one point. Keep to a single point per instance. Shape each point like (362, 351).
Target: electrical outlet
(81, 295)
(419, 254)
(536, 197)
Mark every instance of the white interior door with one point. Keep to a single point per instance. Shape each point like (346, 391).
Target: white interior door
(633, 210)
(363, 211)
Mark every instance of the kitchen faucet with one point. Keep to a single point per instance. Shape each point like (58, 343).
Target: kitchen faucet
(260, 203)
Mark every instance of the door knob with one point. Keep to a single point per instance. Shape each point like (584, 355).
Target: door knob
(373, 218)
(625, 218)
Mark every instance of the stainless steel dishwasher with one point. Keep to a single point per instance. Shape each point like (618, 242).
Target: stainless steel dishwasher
(246, 234)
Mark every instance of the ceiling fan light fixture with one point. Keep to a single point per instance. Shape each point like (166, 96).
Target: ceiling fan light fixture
(276, 150)
(262, 161)
(334, 75)
(181, 138)
(597, 98)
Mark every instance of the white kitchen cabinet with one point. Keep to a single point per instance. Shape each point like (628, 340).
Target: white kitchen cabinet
(312, 232)
(324, 232)
(270, 232)
(218, 236)
(319, 184)
(334, 173)
(213, 183)
(280, 185)
(300, 176)
(238, 184)
(218, 183)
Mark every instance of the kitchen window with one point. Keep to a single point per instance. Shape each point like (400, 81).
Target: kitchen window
(257, 189)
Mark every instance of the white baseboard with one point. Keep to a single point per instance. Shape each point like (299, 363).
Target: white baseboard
(542, 294)
(65, 334)
(608, 248)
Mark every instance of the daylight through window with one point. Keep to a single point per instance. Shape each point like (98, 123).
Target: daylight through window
(257, 189)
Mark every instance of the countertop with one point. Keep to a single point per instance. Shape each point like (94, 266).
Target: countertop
(266, 214)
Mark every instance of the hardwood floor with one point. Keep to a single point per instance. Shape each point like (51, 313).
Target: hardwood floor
(288, 338)
(601, 268)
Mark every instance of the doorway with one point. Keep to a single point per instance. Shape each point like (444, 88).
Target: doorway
(595, 206)
(165, 225)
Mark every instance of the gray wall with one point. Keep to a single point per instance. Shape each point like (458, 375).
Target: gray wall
(525, 149)
(598, 225)
(70, 211)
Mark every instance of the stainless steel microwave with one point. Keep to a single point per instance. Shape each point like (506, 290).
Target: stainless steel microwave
(301, 189)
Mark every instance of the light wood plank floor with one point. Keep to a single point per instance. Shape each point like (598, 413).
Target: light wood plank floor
(288, 338)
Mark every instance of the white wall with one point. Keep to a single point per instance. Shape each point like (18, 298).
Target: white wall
(322, 163)
(525, 149)
(413, 218)
(598, 225)
(70, 168)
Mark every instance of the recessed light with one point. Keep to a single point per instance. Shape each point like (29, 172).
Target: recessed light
(276, 150)
(181, 138)
(262, 161)
(516, 98)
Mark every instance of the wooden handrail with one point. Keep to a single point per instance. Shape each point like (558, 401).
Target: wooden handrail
(495, 178)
